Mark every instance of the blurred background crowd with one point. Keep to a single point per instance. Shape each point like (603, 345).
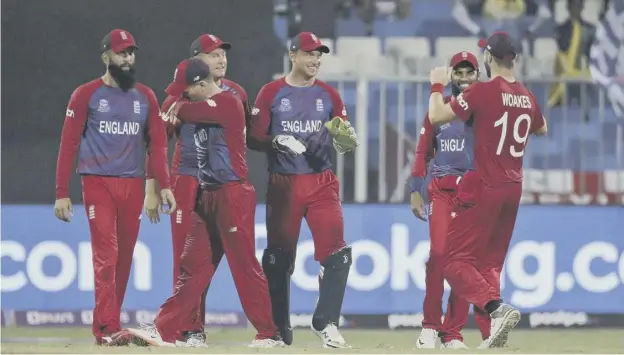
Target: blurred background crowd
(382, 51)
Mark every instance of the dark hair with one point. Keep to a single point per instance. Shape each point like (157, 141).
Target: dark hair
(504, 63)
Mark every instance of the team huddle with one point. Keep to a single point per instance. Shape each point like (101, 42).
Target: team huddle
(120, 133)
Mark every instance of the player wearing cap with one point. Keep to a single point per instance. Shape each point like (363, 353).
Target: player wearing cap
(107, 123)
(213, 51)
(443, 155)
(288, 122)
(503, 113)
(223, 218)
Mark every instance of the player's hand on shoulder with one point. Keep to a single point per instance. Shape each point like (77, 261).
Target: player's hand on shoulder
(63, 209)
(417, 203)
(151, 204)
(285, 143)
(440, 75)
(167, 198)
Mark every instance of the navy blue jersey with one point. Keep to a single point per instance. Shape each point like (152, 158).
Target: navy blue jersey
(112, 128)
(454, 149)
(442, 150)
(301, 112)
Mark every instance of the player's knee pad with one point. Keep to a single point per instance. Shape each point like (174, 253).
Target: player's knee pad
(278, 266)
(335, 273)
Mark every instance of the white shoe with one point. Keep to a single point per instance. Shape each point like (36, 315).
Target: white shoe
(149, 334)
(427, 339)
(331, 337)
(504, 319)
(267, 343)
(195, 340)
(454, 344)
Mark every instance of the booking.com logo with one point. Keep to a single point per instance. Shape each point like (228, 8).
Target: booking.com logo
(403, 266)
(534, 270)
(28, 266)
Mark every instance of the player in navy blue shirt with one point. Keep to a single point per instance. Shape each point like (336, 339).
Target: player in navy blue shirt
(108, 123)
(288, 124)
(223, 219)
(443, 155)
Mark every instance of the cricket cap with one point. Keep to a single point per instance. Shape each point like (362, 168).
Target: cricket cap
(464, 56)
(188, 72)
(118, 40)
(207, 43)
(307, 42)
(500, 45)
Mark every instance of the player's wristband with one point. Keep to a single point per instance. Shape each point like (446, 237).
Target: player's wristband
(437, 88)
(416, 184)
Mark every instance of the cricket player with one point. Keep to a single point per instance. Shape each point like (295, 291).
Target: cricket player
(213, 51)
(108, 123)
(296, 120)
(223, 218)
(503, 113)
(447, 150)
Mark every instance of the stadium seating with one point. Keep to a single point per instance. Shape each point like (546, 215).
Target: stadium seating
(582, 139)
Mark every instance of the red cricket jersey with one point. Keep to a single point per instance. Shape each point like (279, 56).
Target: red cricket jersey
(503, 115)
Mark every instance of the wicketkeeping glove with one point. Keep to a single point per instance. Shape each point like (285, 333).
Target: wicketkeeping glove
(288, 144)
(343, 134)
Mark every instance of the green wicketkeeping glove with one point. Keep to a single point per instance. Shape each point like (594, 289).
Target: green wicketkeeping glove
(343, 133)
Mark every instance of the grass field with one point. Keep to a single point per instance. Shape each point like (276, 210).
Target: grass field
(79, 341)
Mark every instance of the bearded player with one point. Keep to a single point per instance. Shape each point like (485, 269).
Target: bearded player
(503, 113)
(213, 51)
(108, 123)
(447, 150)
(223, 217)
(296, 120)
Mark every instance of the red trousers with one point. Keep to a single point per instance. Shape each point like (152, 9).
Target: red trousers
(478, 238)
(290, 198)
(441, 194)
(222, 222)
(113, 207)
(185, 192)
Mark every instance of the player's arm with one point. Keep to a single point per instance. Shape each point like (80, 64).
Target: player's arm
(171, 130)
(464, 105)
(539, 127)
(157, 149)
(439, 111)
(73, 126)
(222, 109)
(157, 142)
(543, 129)
(260, 121)
(425, 149)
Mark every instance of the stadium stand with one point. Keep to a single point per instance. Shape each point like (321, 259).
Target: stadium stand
(401, 52)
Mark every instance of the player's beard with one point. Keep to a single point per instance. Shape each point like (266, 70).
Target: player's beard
(125, 79)
(457, 88)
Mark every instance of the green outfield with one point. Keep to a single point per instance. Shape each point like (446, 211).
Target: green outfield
(78, 340)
